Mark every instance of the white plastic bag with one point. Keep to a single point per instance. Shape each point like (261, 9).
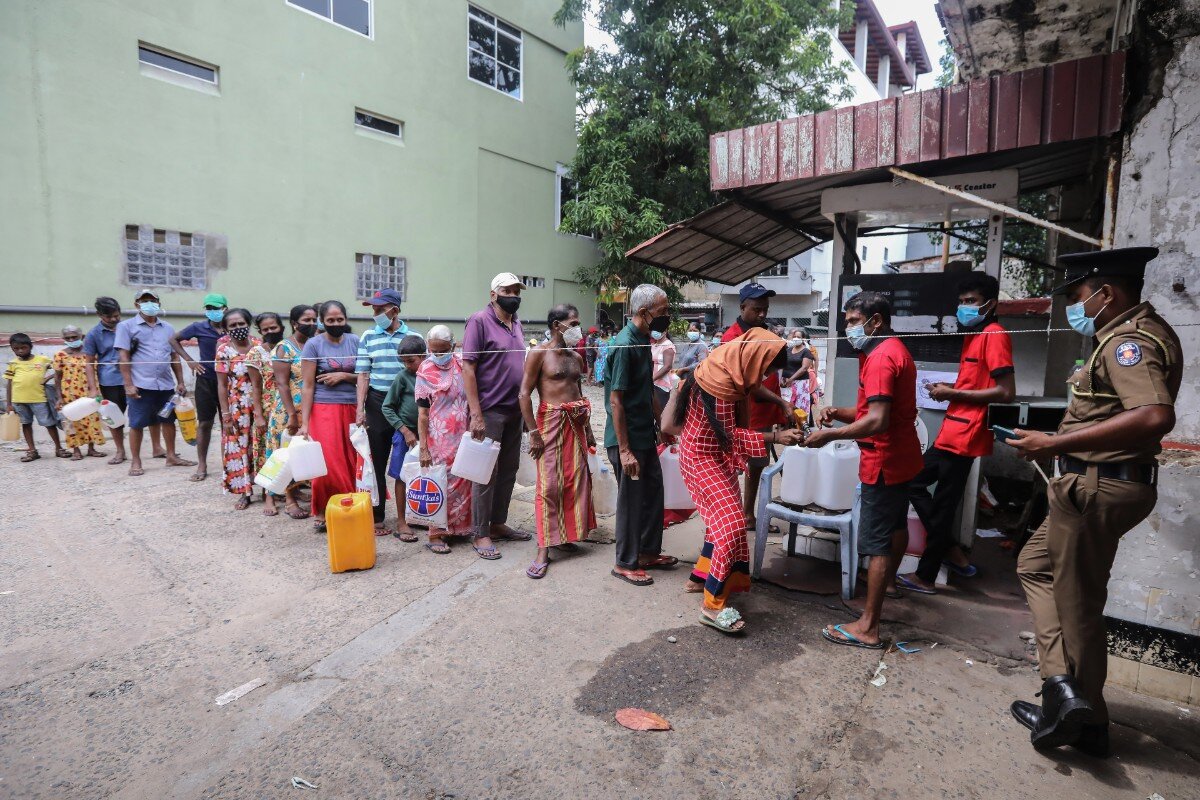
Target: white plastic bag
(364, 474)
(411, 466)
(426, 496)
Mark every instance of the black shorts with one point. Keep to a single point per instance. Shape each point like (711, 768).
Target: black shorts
(114, 395)
(207, 408)
(883, 510)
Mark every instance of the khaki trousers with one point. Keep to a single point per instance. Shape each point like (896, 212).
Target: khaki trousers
(1064, 569)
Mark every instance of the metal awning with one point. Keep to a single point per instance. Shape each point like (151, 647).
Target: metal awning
(1049, 123)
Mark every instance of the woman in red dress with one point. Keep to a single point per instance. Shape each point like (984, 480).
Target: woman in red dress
(713, 450)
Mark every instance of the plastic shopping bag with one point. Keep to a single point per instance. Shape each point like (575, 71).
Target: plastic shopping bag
(425, 503)
(364, 472)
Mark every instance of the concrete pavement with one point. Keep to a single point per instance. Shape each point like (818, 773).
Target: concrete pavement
(130, 604)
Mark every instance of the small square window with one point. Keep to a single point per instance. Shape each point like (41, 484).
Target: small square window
(533, 282)
(374, 273)
(354, 15)
(494, 50)
(379, 124)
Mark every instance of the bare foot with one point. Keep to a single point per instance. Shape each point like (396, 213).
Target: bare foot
(176, 461)
(135, 469)
(508, 534)
(852, 628)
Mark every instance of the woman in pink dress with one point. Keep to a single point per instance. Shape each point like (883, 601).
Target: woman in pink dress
(442, 422)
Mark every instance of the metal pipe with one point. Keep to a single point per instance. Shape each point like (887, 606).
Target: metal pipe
(994, 206)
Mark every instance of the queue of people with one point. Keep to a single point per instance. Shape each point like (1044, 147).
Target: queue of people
(725, 407)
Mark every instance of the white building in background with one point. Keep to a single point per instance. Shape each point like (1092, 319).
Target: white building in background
(883, 62)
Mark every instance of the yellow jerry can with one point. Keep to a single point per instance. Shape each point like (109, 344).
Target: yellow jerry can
(351, 528)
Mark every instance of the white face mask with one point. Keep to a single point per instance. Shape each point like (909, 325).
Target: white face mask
(796, 342)
(572, 335)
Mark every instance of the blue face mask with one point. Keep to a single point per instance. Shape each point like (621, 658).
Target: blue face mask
(383, 321)
(441, 359)
(214, 315)
(969, 316)
(321, 327)
(75, 345)
(857, 336)
(1079, 320)
(693, 336)
(150, 309)
(656, 335)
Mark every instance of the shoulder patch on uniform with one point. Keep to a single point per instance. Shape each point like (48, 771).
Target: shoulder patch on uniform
(1128, 353)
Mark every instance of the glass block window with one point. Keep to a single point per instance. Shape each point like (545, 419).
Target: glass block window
(168, 259)
(373, 273)
(493, 52)
(533, 282)
(353, 15)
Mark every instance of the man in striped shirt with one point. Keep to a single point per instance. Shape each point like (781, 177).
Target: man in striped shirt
(377, 366)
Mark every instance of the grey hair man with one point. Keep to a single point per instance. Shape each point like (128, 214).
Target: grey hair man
(631, 438)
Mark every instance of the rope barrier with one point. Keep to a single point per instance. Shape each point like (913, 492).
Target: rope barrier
(898, 335)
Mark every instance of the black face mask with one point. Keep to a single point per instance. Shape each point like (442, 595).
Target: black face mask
(336, 331)
(307, 329)
(241, 334)
(660, 324)
(273, 338)
(509, 304)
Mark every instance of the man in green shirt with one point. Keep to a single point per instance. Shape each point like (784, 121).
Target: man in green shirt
(400, 410)
(631, 438)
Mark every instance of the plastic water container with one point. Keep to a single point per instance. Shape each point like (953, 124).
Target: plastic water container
(675, 493)
(78, 409)
(604, 488)
(276, 474)
(476, 461)
(112, 414)
(351, 532)
(185, 416)
(307, 460)
(10, 427)
(798, 487)
(593, 462)
(837, 475)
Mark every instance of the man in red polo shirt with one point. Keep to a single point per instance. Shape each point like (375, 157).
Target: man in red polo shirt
(767, 407)
(985, 375)
(884, 423)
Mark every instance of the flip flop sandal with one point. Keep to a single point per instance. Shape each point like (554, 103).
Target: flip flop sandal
(270, 512)
(634, 581)
(97, 454)
(76, 457)
(136, 473)
(181, 462)
(662, 562)
(25, 459)
(693, 587)
(439, 548)
(850, 640)
(913, 587)
(197, 478)
(406, 536)
(62, 452)
(299, 513)
(537, 570)
(489, 553)
(515, 536)
(969, 571)
(725, 621)
(384, 532)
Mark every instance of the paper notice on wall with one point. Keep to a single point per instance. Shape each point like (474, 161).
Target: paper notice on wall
(925, 379)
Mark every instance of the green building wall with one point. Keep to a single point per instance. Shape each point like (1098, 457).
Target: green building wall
(273, 164)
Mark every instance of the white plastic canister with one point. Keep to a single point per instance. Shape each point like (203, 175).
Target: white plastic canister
(78, 409)
(837, 475)
(475, 461)
(307, 459)
(799, 475)
(675, 493)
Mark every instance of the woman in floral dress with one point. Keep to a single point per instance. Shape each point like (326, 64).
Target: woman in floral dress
(239, 392)
(70, 369)
(442, 422)
(285, 376)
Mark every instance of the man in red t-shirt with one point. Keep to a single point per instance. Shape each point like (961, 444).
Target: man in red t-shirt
(985, 375)
(766, 406)
(884, 424)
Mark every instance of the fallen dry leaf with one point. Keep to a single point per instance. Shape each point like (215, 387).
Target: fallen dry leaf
(638, 719)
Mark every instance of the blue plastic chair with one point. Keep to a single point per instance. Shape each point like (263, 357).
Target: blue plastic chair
(846, 524)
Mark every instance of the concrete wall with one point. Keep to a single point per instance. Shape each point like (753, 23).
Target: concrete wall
(274, 163)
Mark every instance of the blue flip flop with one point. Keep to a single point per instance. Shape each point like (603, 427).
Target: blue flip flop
(912, 586)
(850, 640)
(489, 553)
(969, 571)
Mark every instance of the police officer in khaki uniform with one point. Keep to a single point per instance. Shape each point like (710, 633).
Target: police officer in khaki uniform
(1122, 405)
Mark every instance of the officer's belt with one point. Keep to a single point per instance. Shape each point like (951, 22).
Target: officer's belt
(1121, 471)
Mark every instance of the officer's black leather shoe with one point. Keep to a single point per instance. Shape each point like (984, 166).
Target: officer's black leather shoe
(1063, 716)
(1093, 741)
(1026, 713)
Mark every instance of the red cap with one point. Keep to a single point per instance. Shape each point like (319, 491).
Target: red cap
(347, 501)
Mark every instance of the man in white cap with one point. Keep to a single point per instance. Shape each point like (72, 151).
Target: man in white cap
(493, 364)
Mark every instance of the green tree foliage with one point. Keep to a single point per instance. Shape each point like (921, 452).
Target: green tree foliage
(681, 70)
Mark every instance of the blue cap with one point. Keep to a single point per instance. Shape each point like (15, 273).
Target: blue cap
(384, 297)
(752, 291)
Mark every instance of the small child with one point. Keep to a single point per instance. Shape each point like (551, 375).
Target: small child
(400, 410)
(26, 377)
(70, 370)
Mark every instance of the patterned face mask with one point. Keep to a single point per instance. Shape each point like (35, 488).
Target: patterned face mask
(240, 334)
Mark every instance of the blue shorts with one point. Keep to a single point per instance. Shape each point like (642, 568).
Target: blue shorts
(46, 416)
(399, 451)
(143, 411)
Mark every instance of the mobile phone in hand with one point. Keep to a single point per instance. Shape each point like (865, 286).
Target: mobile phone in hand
(1003, 434)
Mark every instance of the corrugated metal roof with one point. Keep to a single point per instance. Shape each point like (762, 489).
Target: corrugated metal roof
(1045, 122)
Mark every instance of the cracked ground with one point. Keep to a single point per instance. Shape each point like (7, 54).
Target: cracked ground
(127, 606)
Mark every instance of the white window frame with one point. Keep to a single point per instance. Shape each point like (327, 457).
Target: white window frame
(520, 69)
(176, 77)
(359, 264)
(562, 171)
(533, 282)
(375, 133)
(370, 18)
